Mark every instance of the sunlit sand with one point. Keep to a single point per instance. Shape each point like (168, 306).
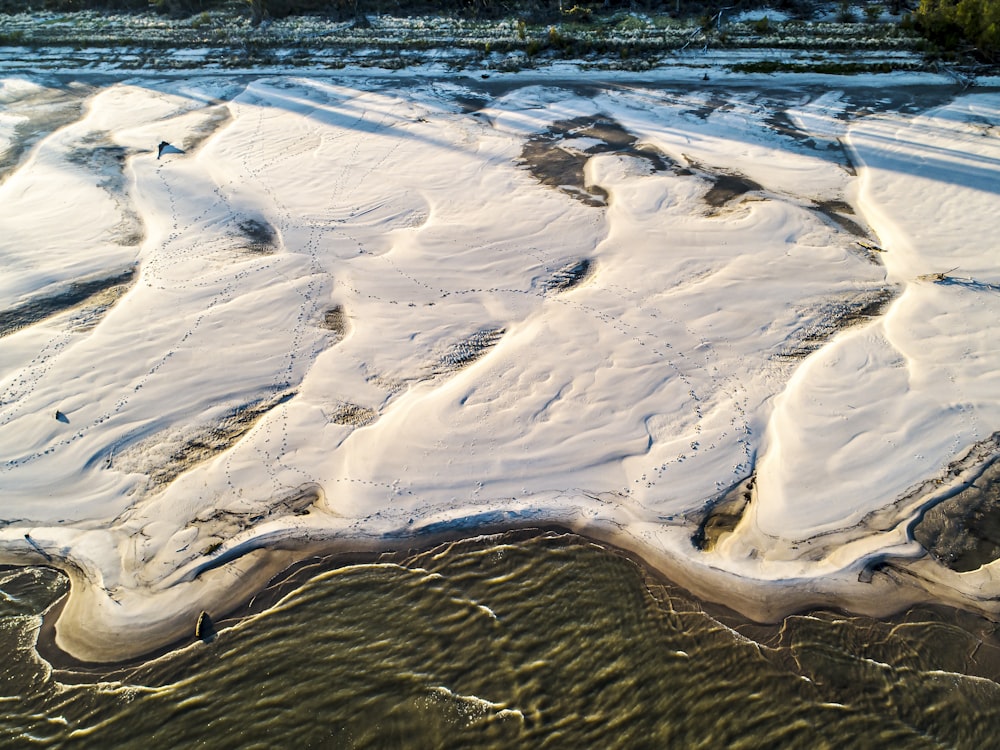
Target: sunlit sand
(352, 313)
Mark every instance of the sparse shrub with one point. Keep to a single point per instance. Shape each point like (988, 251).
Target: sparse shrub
(762, 25)
(873, 13)
(846, 13)
(211, 548)
(579, 14)
(631, 23)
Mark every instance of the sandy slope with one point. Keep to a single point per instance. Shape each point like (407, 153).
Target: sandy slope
(359, 318)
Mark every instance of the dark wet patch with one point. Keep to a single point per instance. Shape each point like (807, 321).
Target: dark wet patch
(223, 524)
(98, 294)
(723, 516)
(98, 154)
(780, 122)
(218, 116)
(713, 105)
(561, 169)
(260, 235)
(467, 351)
(727, 187)
(568, 276)
(469, 104)
(553, 158)
(840, 213)
(44, 113)
(963, 532)
(335, 320)
(838, 314)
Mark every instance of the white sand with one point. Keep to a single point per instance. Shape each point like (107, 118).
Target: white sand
(620, 407)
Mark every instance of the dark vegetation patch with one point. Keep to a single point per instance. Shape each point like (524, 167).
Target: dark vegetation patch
(819, 66)
(956, 27)
(467, 351)
(963, 532)
(78, 293)
(353, 415)
(836, 315)
(164, 457)
(568, 276)
(335, 320)
(260, 236)
(615, 34)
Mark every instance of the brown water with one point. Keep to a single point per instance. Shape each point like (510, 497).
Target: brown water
(545, 641)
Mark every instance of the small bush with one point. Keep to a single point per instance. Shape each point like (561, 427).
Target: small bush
(578, 14)
(631, 23)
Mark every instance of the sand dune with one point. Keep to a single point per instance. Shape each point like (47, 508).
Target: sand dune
(365, 315)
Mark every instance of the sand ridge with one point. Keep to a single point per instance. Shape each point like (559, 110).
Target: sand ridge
(365, 316)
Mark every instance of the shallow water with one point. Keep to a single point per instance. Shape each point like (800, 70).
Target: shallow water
(545, 641)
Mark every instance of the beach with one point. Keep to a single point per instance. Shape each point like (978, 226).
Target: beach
(735, 328)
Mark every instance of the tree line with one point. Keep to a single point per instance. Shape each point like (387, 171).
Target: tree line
(956, 24)
(969, 26)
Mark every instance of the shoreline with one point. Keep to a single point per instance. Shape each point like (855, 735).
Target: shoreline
(224, 551)
(655, 581)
